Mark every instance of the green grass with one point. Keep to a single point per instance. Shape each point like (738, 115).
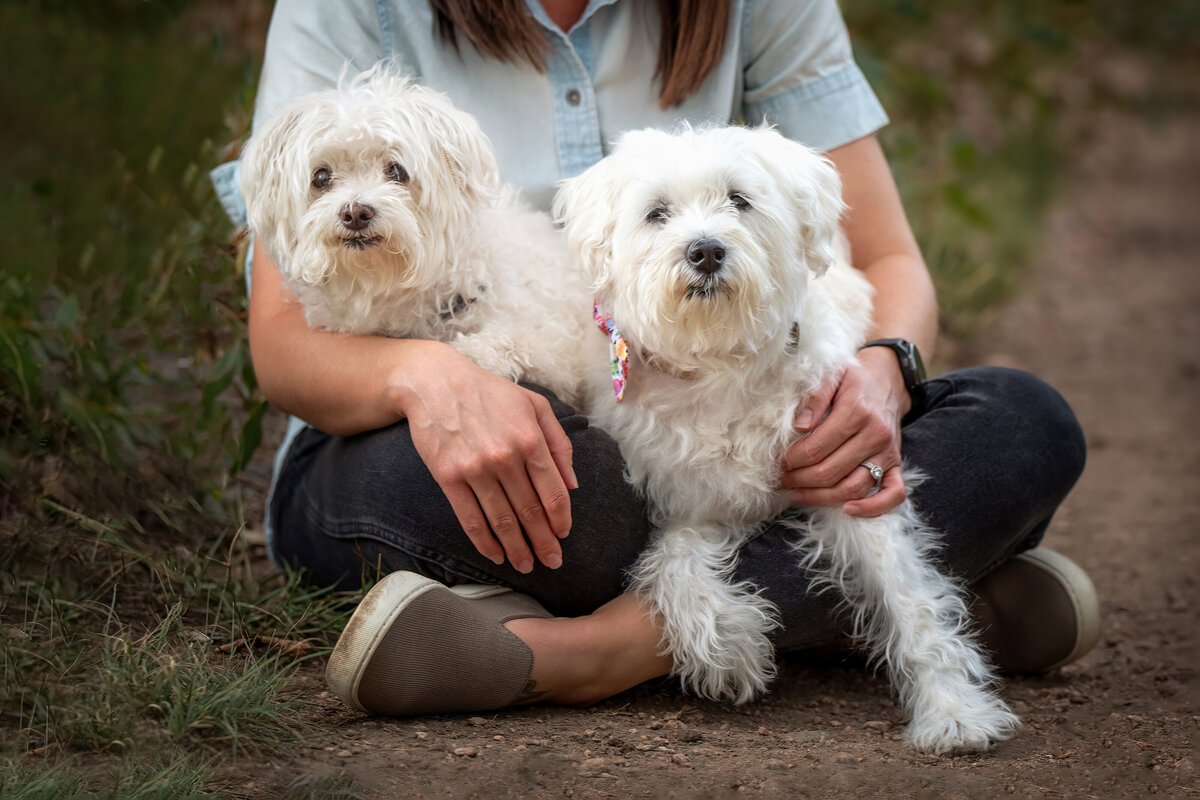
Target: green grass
(174, 776)
(144, 642)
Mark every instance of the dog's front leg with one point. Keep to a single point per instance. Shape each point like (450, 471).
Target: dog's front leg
(715, 631)
(913, 618)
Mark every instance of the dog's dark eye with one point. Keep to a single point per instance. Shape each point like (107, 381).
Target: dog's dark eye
(396, 172)
(739, 201)
(322, 179)
(657, 214)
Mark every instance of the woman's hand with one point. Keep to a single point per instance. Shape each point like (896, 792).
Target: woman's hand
(498, 453)
(853, 419)
(856, 418)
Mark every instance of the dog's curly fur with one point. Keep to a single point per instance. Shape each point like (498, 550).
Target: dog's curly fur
(382, 204)
(722, 354)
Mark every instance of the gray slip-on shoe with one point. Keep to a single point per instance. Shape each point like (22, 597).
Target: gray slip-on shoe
(1037, 612)
(415, 646)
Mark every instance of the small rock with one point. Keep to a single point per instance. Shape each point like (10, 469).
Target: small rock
(774, 763)
(467, 751)
(344, 754)
(476, 721)
(655, 725)
(878, 725)
(679, 758)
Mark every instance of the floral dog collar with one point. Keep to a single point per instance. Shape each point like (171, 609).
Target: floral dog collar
(618, 349)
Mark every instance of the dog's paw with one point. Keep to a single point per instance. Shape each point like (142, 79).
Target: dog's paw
(737, 671)
(971, 727)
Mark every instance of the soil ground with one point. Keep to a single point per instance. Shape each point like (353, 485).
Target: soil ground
(1111, 317)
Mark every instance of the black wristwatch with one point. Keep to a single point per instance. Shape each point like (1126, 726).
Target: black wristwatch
(912, 368)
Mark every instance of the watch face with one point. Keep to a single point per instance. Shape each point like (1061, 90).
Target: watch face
(917, 363)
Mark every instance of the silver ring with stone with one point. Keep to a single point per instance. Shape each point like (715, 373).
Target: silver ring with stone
(875, 470)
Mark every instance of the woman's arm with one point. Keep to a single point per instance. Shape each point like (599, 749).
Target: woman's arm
(495, 448)
(866, 405)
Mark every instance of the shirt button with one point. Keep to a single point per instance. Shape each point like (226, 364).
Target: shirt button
(573, 97)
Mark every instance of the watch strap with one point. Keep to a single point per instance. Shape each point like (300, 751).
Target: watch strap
(912, 368)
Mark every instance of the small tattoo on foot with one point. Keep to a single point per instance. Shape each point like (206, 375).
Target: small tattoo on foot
(529, 694)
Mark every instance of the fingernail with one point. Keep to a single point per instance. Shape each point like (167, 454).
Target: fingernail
(796, 497)
(574, 484)
(805, 419)
(497, 560)
(853, 509)
(524, 567)
(564, 534)
(553, 561)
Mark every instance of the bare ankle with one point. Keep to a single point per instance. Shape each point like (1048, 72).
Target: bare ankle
(587, 659)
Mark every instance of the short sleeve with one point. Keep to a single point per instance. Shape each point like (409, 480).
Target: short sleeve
(799, 74)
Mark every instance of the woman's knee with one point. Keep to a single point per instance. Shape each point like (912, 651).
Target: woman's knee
(1020, 416)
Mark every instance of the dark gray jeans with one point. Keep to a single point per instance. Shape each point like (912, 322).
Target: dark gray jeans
(1001, 449)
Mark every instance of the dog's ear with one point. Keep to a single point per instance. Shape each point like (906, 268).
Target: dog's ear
(457, 160)
(586, 207)
(812, 184)
(271, 164)
(461, 149)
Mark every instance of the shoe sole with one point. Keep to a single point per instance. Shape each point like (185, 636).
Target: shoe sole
(1081, 593)
(371, 622)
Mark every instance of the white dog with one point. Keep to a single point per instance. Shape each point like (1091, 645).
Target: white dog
(382, 204)
(700, 247)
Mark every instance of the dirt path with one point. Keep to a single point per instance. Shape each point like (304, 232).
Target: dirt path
(1111, 318)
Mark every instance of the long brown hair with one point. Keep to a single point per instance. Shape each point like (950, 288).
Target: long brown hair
(693, 37)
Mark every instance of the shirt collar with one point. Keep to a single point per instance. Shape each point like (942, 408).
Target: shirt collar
(539, 13)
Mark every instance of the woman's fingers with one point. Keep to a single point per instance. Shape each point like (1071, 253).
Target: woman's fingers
(504, 519)
(892, 492)
(817, 407)
(857, 493)
(473, 521)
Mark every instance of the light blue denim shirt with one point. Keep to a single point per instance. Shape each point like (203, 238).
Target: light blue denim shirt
(788, 62)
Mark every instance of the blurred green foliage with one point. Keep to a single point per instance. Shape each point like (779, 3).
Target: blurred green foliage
(989, 101)
(119, 300)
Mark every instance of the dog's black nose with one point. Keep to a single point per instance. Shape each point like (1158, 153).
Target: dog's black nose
(706, 255)
(356, 216)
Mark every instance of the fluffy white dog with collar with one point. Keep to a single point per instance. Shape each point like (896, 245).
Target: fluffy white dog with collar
(717, 259)
(382, 204)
